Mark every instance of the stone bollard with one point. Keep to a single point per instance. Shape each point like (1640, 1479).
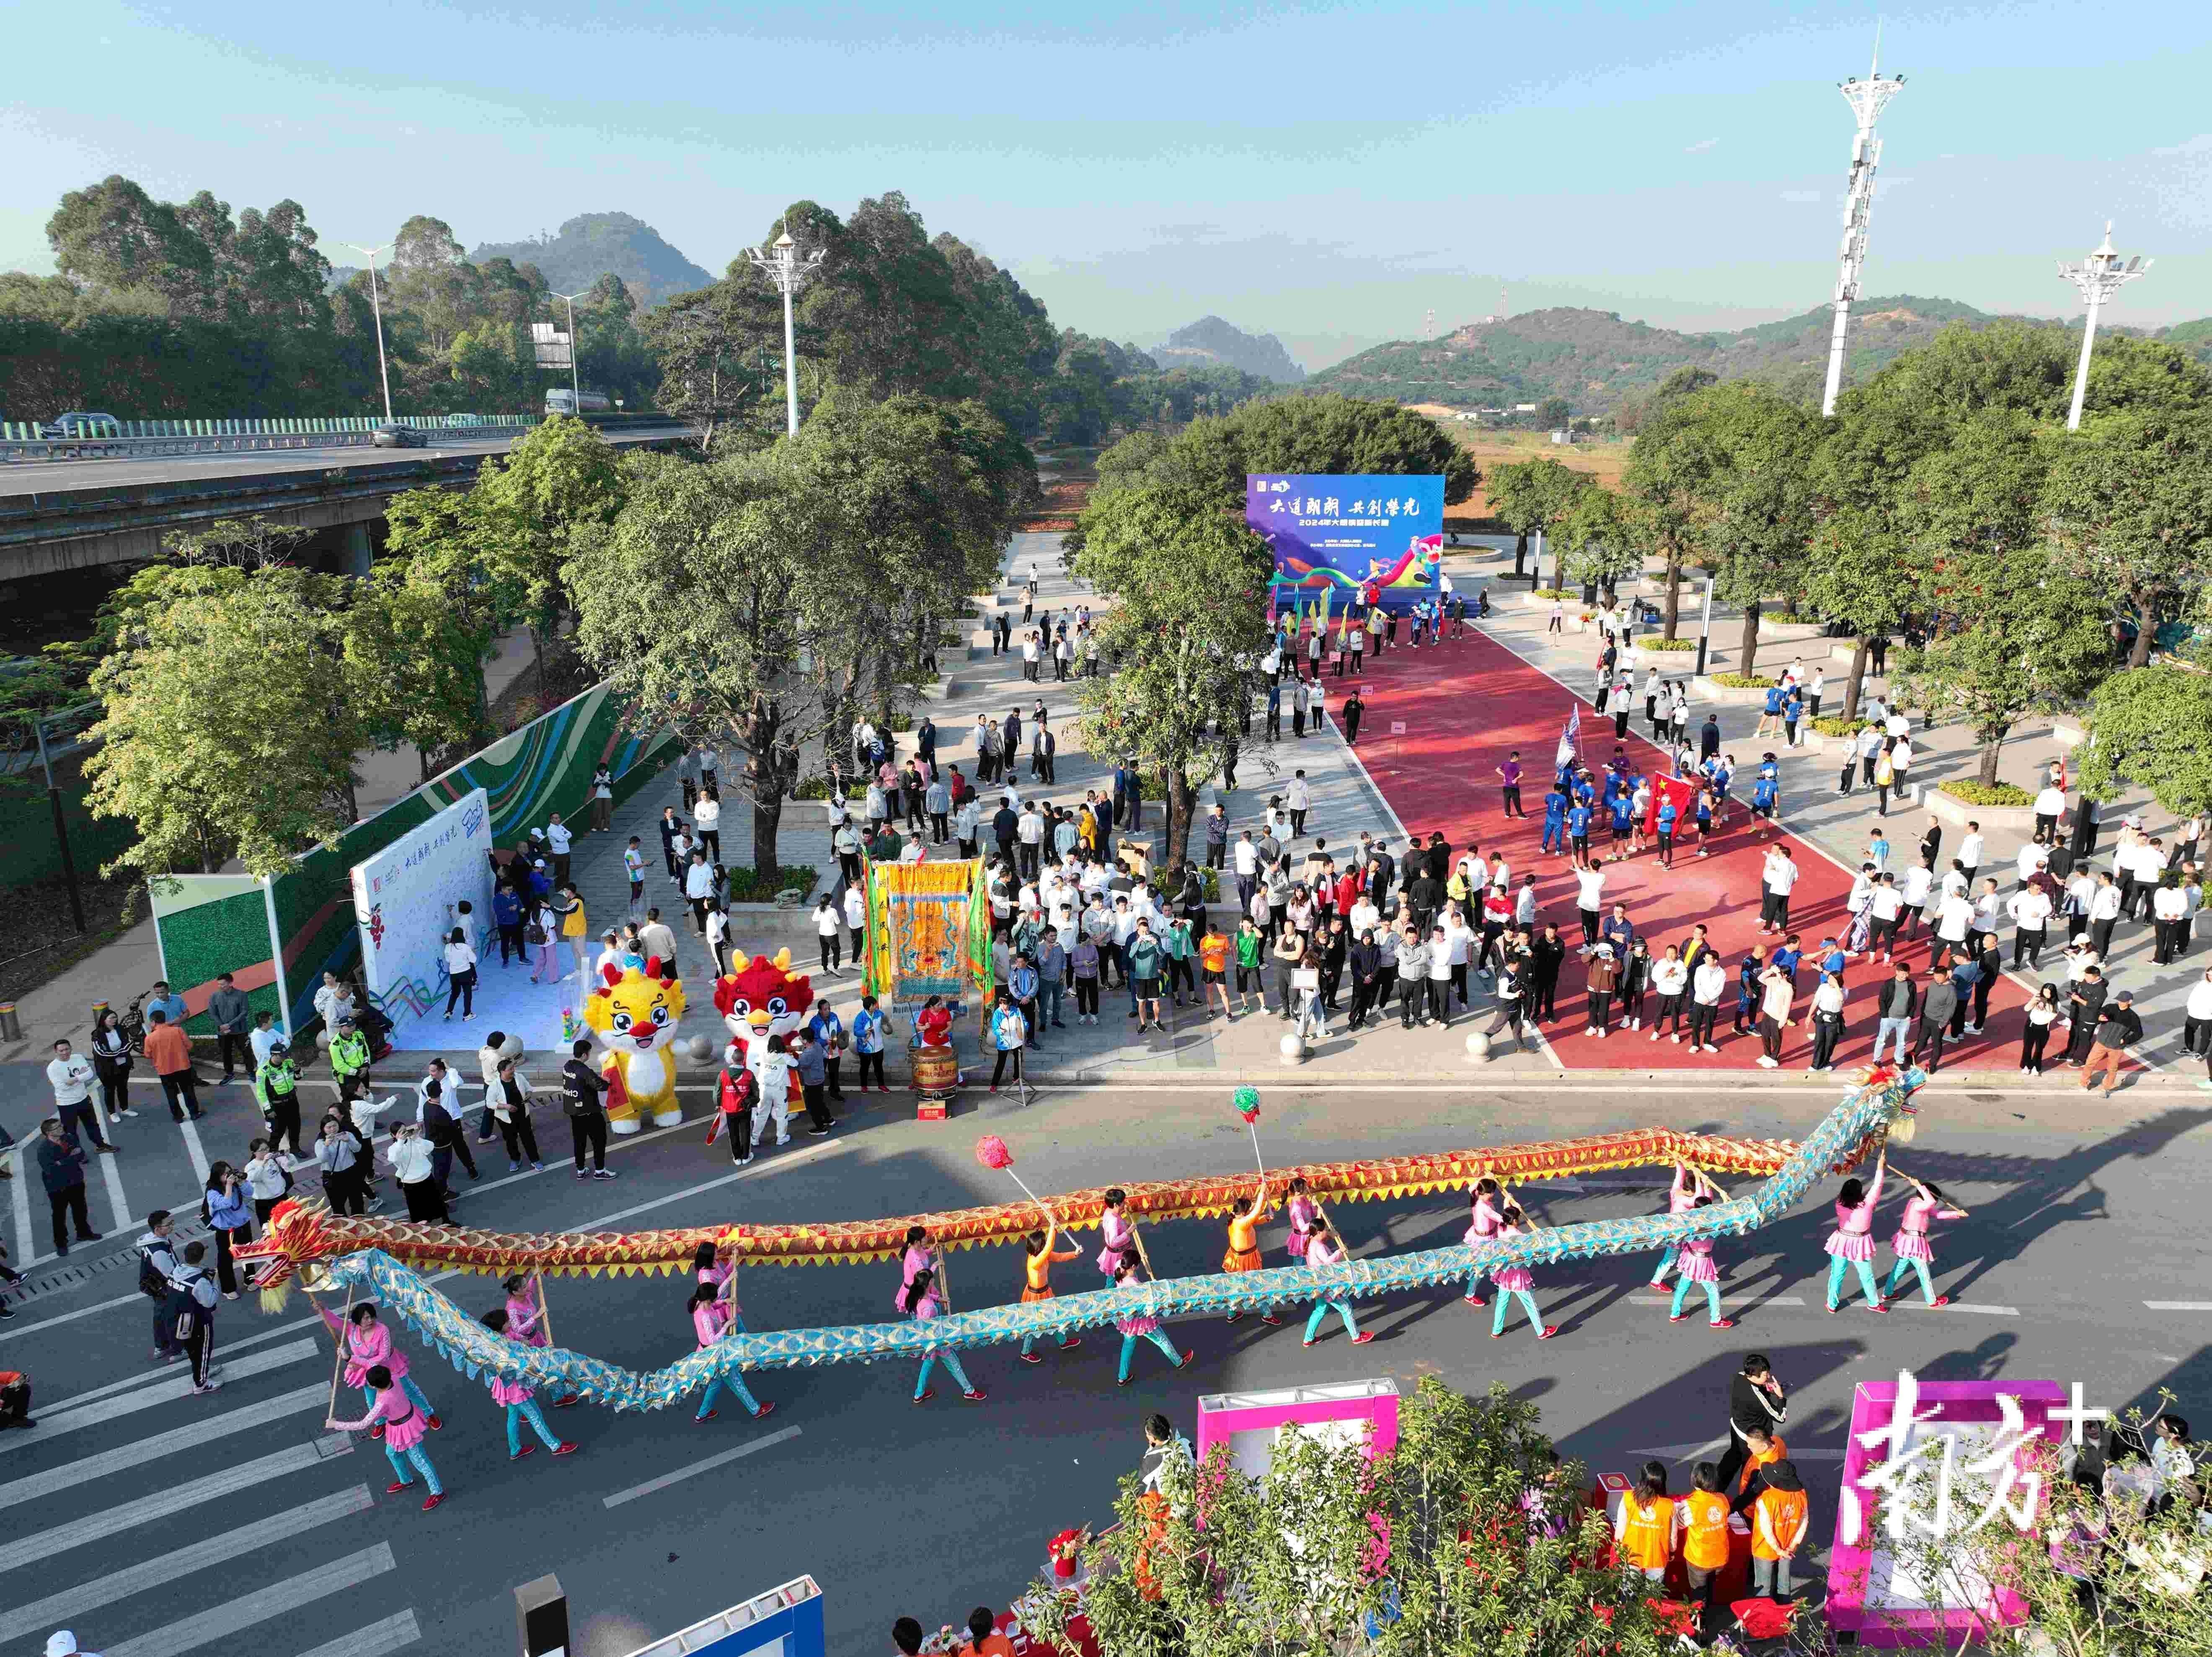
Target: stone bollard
(1478, 1047)
(1293, 1048)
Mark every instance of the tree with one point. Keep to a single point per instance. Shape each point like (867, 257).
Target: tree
(1432, 1545)
(714, 361)
(713, 600)
(560, 482)
(2128, 501)
(1552, 413)
(247, 543)
(1605, 537)
(413, 668)
(2152, 727)
(1325, 434)
(2025, 638)
(1536, 497)
(1189, 584)
(225, 730)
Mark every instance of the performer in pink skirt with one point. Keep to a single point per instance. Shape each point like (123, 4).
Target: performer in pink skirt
(1922, 1210)
(708, 1326)
(525, 1319)
(1484, 1220)
(718, 1273)
(1120, 1233)
(1689, 1184)
(516, 1399)
(1325, 1248)
(396, 1418)
(1141, 1327)
(919, 1257)
(1851, 1243)
(1696, 1258)
(921, 1299)
(1304, 1216)
(369, 1348)
(1512, 1280)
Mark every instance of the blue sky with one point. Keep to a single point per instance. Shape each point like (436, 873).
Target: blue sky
(1325, 172)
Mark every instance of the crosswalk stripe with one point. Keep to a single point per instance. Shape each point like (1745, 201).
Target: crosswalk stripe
(125, 1456)
(260, 1605)
(178, 1498)
(195, 1149)
(215, 1550)
(2180, 1305)
(162, 1391)
(19, 1198)
(110, 1175)
(373, 1640)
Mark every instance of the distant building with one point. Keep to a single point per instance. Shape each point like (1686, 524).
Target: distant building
(1524, 408)
(1566, 437)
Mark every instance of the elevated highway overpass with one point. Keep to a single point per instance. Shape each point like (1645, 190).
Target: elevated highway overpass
(71, 514)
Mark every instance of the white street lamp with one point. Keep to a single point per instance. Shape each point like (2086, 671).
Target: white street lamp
(2099, 277)
(575, 380)
(376, 308)
(782, 265)
(1868, 98)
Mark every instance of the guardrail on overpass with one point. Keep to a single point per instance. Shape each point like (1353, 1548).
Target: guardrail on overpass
(19, 440)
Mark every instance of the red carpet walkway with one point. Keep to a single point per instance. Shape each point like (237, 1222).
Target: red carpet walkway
(1467, 702)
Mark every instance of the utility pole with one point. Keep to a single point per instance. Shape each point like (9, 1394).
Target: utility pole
(376, 308)
(782, 265)
(1867, 97)
(2099, 278)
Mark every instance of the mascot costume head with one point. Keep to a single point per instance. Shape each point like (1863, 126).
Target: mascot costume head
(633, 1016)
(761, 997)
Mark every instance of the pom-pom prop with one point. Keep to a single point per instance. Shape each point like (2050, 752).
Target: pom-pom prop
(1247, 1101)
(991, 1151)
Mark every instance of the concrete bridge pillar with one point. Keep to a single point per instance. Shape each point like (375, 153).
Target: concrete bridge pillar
(353, 555)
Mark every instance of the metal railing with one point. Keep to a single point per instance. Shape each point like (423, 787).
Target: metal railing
(20, 439)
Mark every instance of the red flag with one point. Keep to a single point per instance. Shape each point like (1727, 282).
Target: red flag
(1683, 794)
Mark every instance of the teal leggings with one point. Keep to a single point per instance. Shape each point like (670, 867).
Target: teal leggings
(1505, 1304)
(1474, 1288)
(1896, 1271)
(1067, 1344)
(1158, 1338)
(1321, 1310)
(527, 1410)
(1835, 1265)
(734, 1384)
(1659, 1273)
(1713, 1298)
(951, 1361)
(413, 1453)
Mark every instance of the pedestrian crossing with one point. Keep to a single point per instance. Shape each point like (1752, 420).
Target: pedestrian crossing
(229, 1523)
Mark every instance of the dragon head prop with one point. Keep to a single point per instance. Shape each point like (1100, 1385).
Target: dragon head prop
(297, 1236)
(634, 1012)
(761, 996)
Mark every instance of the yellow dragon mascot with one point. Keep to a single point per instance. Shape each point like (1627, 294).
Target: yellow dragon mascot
(633, 1015)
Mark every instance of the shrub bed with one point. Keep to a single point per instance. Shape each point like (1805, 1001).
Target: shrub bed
(1989, 793)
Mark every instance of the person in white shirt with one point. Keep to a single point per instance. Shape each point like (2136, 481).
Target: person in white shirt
(2050, 806)
(856, 919)
(1885, 903)
(963, 824)
(1708, 983)
(1524, 903)
(610, 955)
(1670, 979)
(707, 818)
(2104, 914)
(1971, 851)
(1919, 881)
(2031, 918)
(558, 841)
(1954, 880)
(698, 888)
(1590, 901)
(2031, 857)
(2169, 913)
(1028, 830)
(1954, 919)
(460, 976)
(2197, 1024)
(1778, 876)
(333, 1001)
(1297, 799)
(826, 921)
(71, 1074)
(659, 942)
(1827, 1022)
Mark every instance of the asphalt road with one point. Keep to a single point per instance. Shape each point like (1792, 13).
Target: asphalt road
(43, 477)
(2080, 1217)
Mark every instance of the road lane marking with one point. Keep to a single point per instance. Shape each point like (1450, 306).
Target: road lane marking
(2180, 1305)
(196, 1151)
(393, 1634)
(144, 1450)
(119, 1205)
(19, 1198)
(178, 1498)
(217, 1552)
(176, 1386)
(260, 1605)
(652, 1485)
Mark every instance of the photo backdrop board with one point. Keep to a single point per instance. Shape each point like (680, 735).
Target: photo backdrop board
(407, 899)
(1332, 537)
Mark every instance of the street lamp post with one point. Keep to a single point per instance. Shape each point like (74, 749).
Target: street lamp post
(782, 265)
(1705, 627)
(2099, 277)
(575, 379)
(376, 308)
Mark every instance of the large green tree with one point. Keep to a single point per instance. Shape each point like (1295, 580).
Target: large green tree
(2152, 727)
(2020, 636)
(2128, 500)
(711, 600)
(1189, 584)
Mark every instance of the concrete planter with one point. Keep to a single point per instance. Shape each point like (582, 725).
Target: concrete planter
(1949, 809)
(1533, 602)
(1706, 689)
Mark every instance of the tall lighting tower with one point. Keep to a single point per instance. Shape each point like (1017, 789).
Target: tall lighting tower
(782, 265)
(2099, 278)
(1867, 99)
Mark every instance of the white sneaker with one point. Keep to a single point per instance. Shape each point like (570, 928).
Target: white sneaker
(1765, 1063)
(1655, 1037)
(1675, 1037)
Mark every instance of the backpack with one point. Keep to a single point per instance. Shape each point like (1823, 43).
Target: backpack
(534, 934)
(151, 1283)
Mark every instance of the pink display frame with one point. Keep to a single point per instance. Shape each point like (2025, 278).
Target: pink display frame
(1850, 1564)
(1221, 1416)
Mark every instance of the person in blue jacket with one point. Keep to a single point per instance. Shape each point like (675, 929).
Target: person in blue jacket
(1666, 816)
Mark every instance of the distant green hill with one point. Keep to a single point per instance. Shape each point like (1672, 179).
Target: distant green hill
(591, 245)
(1595, 361)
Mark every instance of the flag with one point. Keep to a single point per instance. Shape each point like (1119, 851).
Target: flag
(1570, 740)
(1682, 791)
